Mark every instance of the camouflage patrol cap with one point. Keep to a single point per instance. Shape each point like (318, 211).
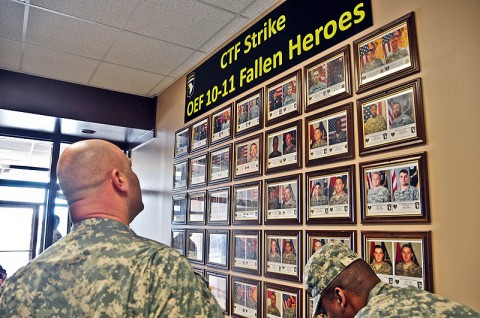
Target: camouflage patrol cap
(324, 266)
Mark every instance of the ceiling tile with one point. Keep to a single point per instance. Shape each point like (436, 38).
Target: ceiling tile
(164, 84)
(258, 7)
(146, 53)
(188, 64)
(67, 34)
(230, 5)
(110, 12)
(58, 65)
(10, 52)
(226, 33)
(178, 21)
(124, 79)
(11, 20)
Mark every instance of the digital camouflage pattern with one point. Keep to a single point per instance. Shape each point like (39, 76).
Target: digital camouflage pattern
(412, 271)
(103, 269)
(402, 120)
(409, 194)
(339, 199)
(289, 258)
(385, 268)
(324, 266)
(379, 195)
(393, 56)
(387, 301)
(374, 125)
(289, 312)
(321, 200)
(273, 310)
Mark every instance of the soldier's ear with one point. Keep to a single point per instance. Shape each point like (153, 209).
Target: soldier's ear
(340, 298)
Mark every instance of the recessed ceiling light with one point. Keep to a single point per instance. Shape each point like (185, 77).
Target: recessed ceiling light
(88, 131)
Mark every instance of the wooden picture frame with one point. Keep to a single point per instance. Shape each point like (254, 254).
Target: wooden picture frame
(218, 206)
(182, 142)
(386, 54)
(331, 196)
(399, 120)
(179, 209)
(219, 285)
(195, 246)
(413, 248)
(283, 99)
(282, 301)
(288, 138)
(199, 135)
(328, 79)
(222, 125)
(246, 297)
(246, 251)
(283, 255)
(248, 157)
(249, 113)
(178, 239)
(247, 203)
(283, 200)
(218, 248)
(180, 175)
(196, 207)
(329, 136)
(198, 171)
(395, 190)
(219, 168)
(315, 239)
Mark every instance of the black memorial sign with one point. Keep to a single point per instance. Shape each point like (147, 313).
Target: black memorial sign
(290, 34)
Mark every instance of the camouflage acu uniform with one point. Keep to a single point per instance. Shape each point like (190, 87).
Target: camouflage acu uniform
(403, 120)
(253, 113)
(339, 199)
(338, 138)
(289, 258)
(274, 258)
(103, 269)
(322, 143)
(373, 125)
(290, 99)
(289, 312)
(385, 268)
(387, 301)
(273, 310)
(289, 204)
(412, 271)
(409, 194)
(321, 200)
(393, 56)
(378, 195)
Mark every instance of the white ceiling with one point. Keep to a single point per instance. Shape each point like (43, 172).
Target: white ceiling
(133, 46)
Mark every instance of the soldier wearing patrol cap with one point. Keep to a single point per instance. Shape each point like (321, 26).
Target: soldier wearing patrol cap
(343, 285)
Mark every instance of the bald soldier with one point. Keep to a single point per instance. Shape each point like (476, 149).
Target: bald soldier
(102, 268)
(343, 285)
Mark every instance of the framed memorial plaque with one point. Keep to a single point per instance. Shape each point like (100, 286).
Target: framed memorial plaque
(248, 157)
(180, 175)
(218, 248)
(282, 301)
(178, 240)
(196, 208)
(246, 297)
(283, 200)
(221, 125)
(199, 135)
(195, 243)
(218, 207)
(249, 112)
(395, 190)
(246, 251)
(220, 162)
(400, 259)
(331, 196)
(283, 147)
(247, 203)
(283, 99)
(182, 142)
(327, 80)
(391, 119)
(316, 239)
(198, 171)
(329, 136)
(179, 209)
(283, 257)
(218, 284)
(386, 54)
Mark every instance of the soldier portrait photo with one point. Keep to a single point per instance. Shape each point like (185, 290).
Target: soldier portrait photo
(378, 187)
(374, 118)
(380, 257)
(248, 113)
(408, 264)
